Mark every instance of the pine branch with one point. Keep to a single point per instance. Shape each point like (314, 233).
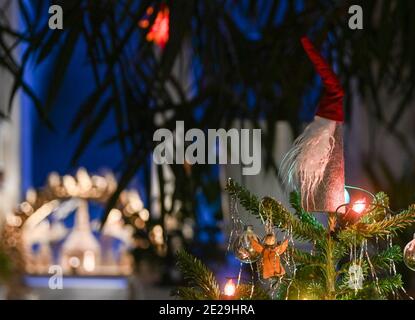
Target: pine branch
(188, 293)
(200, 279)
(304, 216)
(381, 289)
(283, 219)
(249, 201)
(383, 260)
(317, 289)
(385, 227)
(305, 258)
(307, 286)
(281, 291)
(243, 292)
(340, 250)
(390, 226)
(387, 286)
(378, 212)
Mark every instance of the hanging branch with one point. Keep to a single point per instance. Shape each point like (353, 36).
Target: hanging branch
(202, 284)
(386, 227)
(200, 279)
(281, 217)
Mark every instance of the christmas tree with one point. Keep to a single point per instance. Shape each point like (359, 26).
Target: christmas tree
(352, 255)
(341, 250)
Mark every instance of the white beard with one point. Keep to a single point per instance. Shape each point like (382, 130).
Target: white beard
(304, 165)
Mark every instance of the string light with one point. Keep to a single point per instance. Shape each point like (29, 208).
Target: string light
(55, 198)
(89, 261)
(54, 179)
(230, 288)
(84, 180)
(31, 196)
(359, 206)
(114, 216)
(144, 215)
(74, 262)
(159, 30)
(157, 235)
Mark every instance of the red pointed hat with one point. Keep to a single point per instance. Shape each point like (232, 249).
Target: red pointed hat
(331, 104)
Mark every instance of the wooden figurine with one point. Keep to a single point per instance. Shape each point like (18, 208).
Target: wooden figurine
(270, 254)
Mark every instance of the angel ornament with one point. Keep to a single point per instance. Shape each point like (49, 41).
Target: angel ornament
(270, 252)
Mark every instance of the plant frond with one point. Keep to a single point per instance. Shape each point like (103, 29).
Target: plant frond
(199, 278)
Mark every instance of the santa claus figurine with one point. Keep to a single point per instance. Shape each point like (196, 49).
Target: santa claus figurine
(270, 255)
(315, 164)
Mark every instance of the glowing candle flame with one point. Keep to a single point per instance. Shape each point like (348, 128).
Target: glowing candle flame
(359, 206)
(230, 288)
(89, 261)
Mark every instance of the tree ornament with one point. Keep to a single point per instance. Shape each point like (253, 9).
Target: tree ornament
(243, 248)
(315, 164)
(270, 253)
(355, 277)
(409, 255)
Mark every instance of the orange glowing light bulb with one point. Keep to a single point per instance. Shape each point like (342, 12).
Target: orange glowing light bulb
(159, 31)
(359, 206)
(230, 288)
